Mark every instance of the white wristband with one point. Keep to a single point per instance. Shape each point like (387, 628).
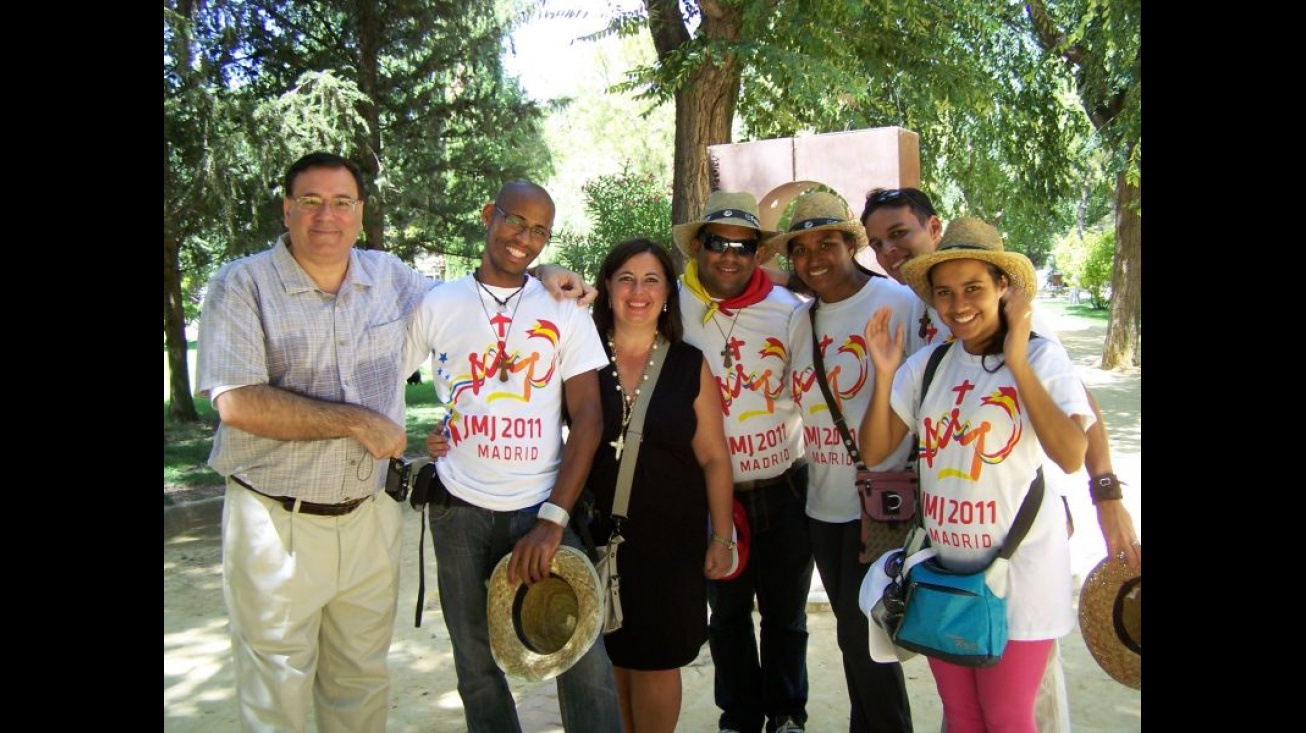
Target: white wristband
(551, 512)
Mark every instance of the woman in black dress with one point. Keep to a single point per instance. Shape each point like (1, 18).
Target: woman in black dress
(678, 527)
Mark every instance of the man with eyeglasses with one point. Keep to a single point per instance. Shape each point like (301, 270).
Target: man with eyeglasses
(509, 368)
(901, 223)
(301, 350)
(742, 323)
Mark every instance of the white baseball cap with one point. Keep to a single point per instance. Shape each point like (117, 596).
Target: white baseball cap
(877, 578)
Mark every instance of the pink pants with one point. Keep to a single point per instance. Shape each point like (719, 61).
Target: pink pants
(997, 699)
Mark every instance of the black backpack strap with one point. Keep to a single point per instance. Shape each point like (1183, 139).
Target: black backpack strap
(931, 367)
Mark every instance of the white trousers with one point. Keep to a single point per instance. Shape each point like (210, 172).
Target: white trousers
(1052, 704)
(312, 604)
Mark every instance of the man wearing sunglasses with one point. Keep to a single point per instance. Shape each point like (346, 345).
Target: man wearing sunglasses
(741, 323)
(301, 351)
(901, 223)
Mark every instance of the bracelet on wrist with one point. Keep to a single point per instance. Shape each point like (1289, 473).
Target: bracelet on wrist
(726, 543)
(1104, 488)
(551, 512)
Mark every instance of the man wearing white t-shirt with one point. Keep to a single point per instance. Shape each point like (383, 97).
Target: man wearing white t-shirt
(507, 365)
(742, 324)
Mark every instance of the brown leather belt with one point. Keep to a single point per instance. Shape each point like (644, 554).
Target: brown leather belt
(308, 507)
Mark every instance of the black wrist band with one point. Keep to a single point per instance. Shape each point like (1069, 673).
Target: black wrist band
(1104, 488)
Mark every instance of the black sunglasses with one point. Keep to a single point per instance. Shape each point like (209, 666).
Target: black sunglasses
(893, 564)
(719, 244)
(899, 197)
(887, 196)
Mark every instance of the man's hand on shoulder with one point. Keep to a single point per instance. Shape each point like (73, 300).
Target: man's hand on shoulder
(564, 283)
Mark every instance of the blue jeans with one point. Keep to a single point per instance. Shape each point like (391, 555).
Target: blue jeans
(750, 688)
(877, 693)
(462, 538)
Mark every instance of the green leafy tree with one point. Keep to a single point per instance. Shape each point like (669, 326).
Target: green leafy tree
(412, 90)
(444, 128)
(212, 188)
(1101, 44)
(620, 207)
(1086, 261)
(1001, 134)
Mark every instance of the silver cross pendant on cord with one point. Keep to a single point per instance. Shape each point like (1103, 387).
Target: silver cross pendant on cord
(618, 444)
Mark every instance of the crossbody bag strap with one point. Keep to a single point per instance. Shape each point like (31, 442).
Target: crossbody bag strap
(931, 367)
(635, 431)
(1028, 508)
(835, 412)
(1024, 516)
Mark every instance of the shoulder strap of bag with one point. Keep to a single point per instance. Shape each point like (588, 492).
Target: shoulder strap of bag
(1028, 507)
(1024, 516)
(930, 367)
(635, 432)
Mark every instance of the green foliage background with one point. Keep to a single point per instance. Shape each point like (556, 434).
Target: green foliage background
(1086, 261)
(621, 206)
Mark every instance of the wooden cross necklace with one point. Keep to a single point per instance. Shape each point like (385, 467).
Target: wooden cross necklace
(627, 399)
(727, 350)
(499, 321)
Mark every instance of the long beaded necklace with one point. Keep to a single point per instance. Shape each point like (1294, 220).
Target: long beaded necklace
(627, 398)
(727, 350)
(499, 321)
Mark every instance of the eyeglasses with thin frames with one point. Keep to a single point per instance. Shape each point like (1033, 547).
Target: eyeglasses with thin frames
(719, 244)
(539, 233)
(314, 204)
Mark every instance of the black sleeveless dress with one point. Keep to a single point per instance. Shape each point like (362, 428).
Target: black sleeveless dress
(663, 590)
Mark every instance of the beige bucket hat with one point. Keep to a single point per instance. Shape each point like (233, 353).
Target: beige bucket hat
(815, 211)
(539, 632)
(969, 239)
(724, 207)
(1111, 620)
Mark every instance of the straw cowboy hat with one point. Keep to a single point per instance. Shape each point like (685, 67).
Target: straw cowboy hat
(1111, 620)
(817, 211)
(969, 239)
(737, 209)
(539, 632)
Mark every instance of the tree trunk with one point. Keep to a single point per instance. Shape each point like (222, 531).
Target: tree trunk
(1124, 333)
(705, 102)
(1105, 106)
(705, 109)
(181, 407)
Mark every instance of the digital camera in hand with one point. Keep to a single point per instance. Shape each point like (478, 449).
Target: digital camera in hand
(410, 479)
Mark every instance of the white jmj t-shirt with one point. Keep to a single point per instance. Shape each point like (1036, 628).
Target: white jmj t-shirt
(978, 456)
(505, 436)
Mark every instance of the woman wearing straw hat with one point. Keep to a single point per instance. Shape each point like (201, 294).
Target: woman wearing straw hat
(680, 489)
(821, 243)
(1000, 401)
